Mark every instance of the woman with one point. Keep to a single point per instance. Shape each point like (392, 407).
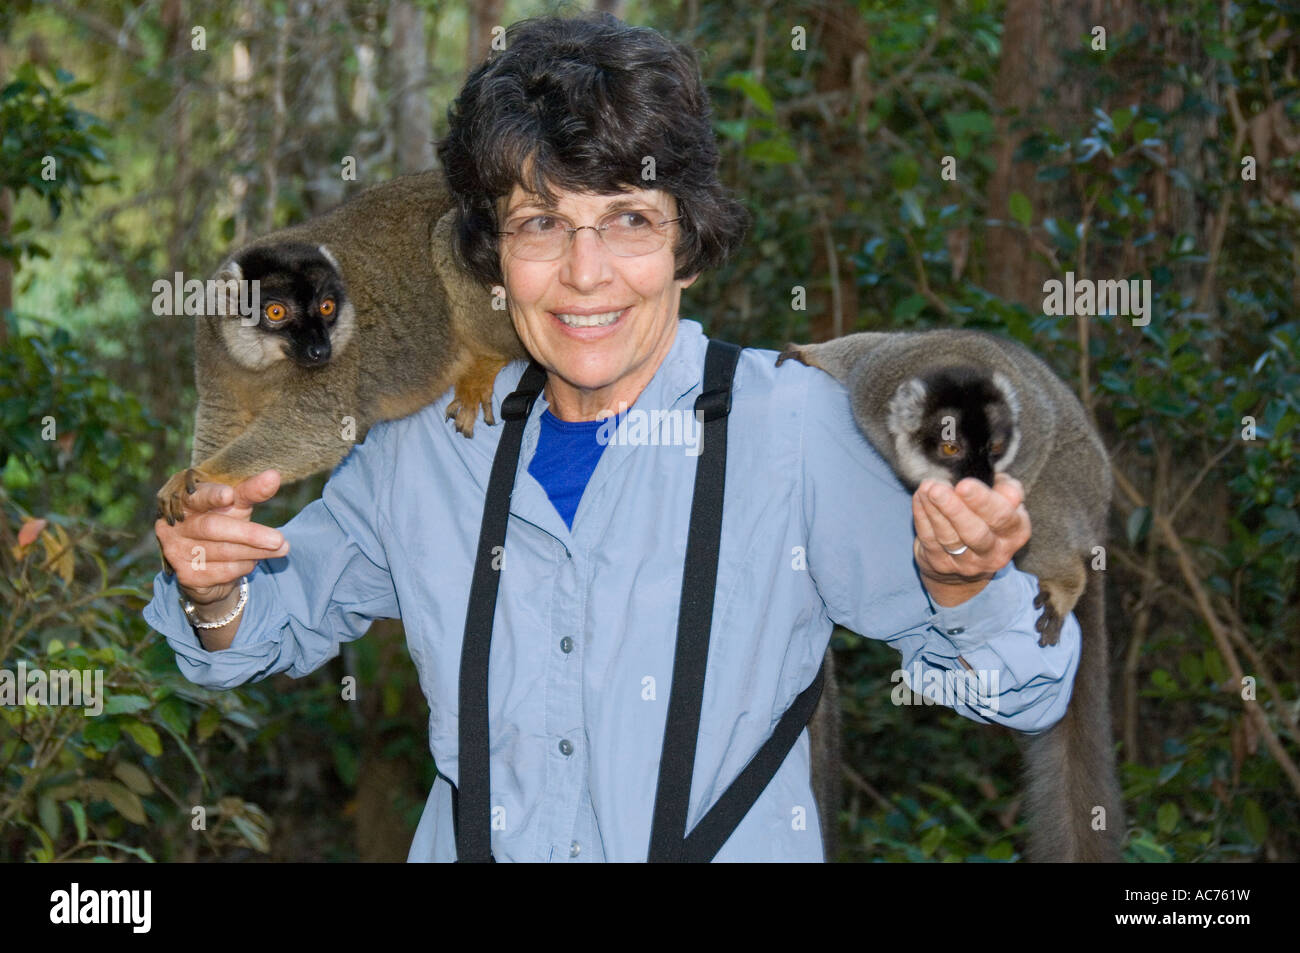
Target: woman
(585, 170)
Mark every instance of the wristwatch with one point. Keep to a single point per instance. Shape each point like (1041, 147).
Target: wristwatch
(229, 618)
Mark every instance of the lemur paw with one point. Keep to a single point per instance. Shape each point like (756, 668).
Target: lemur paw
(465, 414)
(1057, 602)
(170, 501)
(473, 389)
(794, 351)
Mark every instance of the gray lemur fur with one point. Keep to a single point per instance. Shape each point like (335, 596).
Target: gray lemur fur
(1062, 463)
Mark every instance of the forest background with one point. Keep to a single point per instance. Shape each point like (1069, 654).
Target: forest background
(907, 164)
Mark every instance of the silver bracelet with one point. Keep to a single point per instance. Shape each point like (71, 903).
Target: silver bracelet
(239, 607)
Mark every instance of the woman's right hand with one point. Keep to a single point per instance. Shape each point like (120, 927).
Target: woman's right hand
(217, 521)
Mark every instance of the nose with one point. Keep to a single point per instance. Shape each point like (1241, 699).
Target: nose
(586, 262)
(318, 352)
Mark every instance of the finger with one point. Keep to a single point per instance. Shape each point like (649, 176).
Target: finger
(1010, 488)
(207, 496)
(992, 507)
(940, 505)
(214, 554)
(258, 488)
(213, 574)
(220, 528)
(955, 520)
(924, 528)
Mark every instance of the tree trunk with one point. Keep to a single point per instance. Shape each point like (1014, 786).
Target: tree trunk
(483, 16)
(413, 126)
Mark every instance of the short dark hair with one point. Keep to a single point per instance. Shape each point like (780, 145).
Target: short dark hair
(579, 103)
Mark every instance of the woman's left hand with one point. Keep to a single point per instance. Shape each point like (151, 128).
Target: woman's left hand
(990, 523)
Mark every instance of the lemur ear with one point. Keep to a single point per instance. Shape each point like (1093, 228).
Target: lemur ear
(1008, 393)
(906, 408)
(223, 297)
(329, 257)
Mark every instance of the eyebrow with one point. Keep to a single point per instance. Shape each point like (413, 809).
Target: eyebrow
(615, 206)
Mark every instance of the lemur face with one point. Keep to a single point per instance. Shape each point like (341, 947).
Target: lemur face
(954, 423)
(304, 316)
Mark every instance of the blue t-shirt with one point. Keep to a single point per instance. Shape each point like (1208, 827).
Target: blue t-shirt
(566, 456)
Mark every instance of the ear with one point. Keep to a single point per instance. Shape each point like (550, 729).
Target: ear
(906, 408)
(1003, 385)
(329, 257)
(224, 297)
(687, 282)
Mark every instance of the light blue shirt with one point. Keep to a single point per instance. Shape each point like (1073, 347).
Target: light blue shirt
(816, 530)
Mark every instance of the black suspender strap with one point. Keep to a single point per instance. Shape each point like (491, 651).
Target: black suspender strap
(473, 825)
(668, 838)
(695, 615)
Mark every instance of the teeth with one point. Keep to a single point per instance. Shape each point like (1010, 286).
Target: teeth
(589, 320)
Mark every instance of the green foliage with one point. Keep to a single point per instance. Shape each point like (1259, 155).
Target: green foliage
(77, 783)
(47, 147)
(70, 439)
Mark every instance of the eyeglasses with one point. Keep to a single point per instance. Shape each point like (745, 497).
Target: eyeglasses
(628, 233)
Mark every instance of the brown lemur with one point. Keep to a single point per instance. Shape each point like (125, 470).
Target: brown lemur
(954, 403)
(364, 315)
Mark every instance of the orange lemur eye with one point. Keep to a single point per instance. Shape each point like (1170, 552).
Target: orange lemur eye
(949, 449)
(997, 448)
(275, 312)
(327, 307)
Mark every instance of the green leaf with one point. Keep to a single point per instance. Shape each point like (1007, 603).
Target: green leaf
(772, 151)
(1149, 851)
(1167, 817)
(124, 802)
(255, 836)
(133, 777)
(905, 170)
(125, 704)
(975, 122)
(144, 736)
(208, 723)
(753, 90)
(175, 714)
(1021, 209)
(734, 129)
(932, 839)
(78, 811)
(1255, 819)
(101, 734)
(48, 810)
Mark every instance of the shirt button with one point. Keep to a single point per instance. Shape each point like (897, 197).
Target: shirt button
(957, 631)
(566, 645)
(566, 747)
(575, 849)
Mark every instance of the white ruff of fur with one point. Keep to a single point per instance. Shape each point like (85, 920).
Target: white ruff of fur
(903, 421)
(1009, 397)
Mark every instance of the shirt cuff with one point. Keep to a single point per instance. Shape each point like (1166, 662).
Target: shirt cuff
(990, 612)
(256, 644)
(996, 628)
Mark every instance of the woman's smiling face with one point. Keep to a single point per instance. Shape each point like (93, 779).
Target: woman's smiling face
(594, 363)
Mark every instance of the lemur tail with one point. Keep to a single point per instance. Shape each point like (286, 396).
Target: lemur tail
(1070, 768)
